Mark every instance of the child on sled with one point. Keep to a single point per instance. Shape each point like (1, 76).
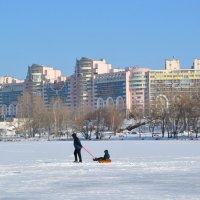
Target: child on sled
(105, 157)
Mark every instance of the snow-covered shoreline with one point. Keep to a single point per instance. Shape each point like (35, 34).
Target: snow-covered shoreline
(146, 137)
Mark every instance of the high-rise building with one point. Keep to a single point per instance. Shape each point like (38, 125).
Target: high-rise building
(38, 75)
(85, 71)
(9, 95)
(8, 79)
(58, 90)
(196, 64)
(173, 64)
(173, 82)
(110, 89)
(139, 89)
(127, 88)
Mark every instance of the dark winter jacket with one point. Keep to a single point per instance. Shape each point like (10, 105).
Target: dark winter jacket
(106, 155)
(77, 143)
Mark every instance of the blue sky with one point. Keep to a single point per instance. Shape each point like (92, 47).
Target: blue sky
(124, 32)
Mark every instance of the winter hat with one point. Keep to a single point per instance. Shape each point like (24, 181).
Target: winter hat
(74, 135)
(106, 151)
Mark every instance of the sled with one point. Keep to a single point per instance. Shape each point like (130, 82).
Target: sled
(105, 161)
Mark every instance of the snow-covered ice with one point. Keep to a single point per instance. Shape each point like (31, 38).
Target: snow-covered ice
(141, 170)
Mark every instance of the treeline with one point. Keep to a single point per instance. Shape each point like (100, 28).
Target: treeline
(169, 115)
(175, 114)
(58, 120)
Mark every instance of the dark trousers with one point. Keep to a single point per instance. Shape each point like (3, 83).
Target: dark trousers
(77, 152)
(100, 158)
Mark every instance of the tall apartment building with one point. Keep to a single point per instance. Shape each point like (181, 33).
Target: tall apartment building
(83, 84)
(9, 95)
(196, 64)
(110, 89)
(8, 79)
(11, 89)
(173, 82)
(40, 81)
(173, 64)
(38, 75)
(58, 90)
(139, 89)
(127, 88)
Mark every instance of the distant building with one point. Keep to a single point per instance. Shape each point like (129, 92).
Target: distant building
(173, 82)
(38, 75)
(8, 79)
(126, 88)
(196, 64)
(95, 84)
(83, 87)
(110, 89)
(139, 89)
(58, 90)
(173, 64)
(9, 95)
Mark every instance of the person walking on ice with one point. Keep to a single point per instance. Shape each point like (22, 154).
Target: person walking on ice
(77, 146)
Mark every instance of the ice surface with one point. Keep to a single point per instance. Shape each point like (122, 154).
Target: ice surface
(141, 170)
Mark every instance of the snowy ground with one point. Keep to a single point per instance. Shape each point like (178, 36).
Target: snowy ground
(141, 170)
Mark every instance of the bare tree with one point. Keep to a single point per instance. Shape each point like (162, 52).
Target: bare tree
(99, 123)
(38, 115)
(113, 117)
(24, 112)
(67, 120)
(84, 121)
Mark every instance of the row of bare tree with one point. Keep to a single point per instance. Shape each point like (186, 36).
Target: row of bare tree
(170, 114)
(34, 118)
(175, 114)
